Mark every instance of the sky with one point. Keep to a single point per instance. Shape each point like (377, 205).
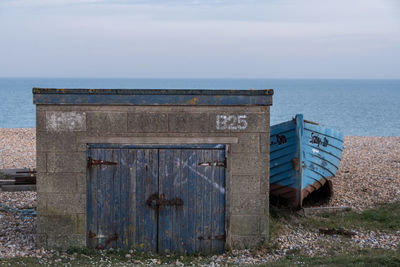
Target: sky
(200, 38)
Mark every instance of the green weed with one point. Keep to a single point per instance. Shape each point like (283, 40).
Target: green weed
(384, 217)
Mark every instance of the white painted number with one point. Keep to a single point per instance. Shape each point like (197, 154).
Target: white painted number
(231, 122)
(242, 123)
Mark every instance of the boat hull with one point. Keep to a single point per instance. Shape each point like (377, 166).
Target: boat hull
(303, 157)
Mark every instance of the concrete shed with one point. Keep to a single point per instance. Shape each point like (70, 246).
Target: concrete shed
(166, 171)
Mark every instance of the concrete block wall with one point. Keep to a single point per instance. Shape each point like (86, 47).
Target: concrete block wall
(63, 131)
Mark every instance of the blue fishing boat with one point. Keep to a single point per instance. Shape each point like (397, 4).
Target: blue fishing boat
(303, 157)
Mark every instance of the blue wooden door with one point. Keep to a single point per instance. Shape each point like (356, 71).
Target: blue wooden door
(197, 177)
(118, 185)
(156, 199)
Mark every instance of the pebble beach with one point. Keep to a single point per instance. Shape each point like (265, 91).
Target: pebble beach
(369, 174)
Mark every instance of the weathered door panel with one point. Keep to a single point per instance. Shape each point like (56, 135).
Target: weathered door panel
(102, 217)
(168, 171)
(118, 215)
(146, 172)
(218, 243)
(92, 199)
(127, 185)
(213, 201)
(159, 200)
(198, 225)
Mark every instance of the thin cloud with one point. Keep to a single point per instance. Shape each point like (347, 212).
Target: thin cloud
(129, 2)
(138, 38)
(25, 3)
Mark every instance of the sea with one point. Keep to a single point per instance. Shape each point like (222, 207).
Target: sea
(359, 107)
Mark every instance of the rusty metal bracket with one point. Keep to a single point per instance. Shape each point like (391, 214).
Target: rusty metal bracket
(92, 162)
(109, 239)
(296, 164)
(31, 171)
(155, 201)
(214, 163)
(91, 235)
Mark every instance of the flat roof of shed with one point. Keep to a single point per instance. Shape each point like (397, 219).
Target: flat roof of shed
(53, 96)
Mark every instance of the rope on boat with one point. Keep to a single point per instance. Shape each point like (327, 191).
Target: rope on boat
(21, 212)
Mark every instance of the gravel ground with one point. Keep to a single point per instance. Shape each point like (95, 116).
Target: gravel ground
(369, 174)
(17, 233)
(314, 243)
(17, 148)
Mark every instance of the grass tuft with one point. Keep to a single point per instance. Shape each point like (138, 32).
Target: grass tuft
(366, 257)
(381, 218)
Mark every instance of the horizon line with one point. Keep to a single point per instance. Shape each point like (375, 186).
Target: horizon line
(191, 78)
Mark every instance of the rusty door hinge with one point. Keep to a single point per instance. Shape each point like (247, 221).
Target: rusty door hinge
(217, 237)
(92, 162)
(109, 239)
(92, 235)
(214, 163)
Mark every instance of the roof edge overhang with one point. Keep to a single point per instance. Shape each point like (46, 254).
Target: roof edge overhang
(149, 97)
